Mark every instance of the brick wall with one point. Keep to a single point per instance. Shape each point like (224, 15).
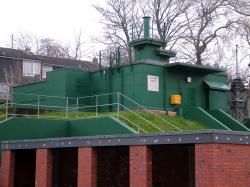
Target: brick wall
(7, 169)
(222, 165)
(140, 166)
(87, 167)
(43, 168)
(216, 165)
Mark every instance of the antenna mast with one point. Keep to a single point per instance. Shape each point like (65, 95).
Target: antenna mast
(237, 62)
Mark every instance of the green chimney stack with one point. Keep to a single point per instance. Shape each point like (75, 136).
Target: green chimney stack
(148, 48)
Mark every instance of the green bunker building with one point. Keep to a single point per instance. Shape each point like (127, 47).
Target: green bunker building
(119, 126)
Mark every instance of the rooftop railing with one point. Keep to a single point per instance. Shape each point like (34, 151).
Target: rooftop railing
(115, 105)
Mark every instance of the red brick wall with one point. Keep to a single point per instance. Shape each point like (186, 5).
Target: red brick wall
(87, 167)
(221, 165)
(43, 168)
(7, 169)
(140, 166)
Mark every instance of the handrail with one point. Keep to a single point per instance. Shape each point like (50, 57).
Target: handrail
(90, 106)
(143, 118)
(89, 96)
(134, 124)
(151, 112)
(74, 107)
(29, 94)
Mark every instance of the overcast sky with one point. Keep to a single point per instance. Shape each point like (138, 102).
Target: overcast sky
(57, 19)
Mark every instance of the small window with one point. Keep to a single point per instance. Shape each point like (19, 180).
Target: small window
(31, 68)
(45, 70)
(4, 91)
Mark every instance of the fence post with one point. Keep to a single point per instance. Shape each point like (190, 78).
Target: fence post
(67, 105)
(96, 105)
(118, 104)
(38, 106)
(77, 107)
(138, 124)
(7, 106)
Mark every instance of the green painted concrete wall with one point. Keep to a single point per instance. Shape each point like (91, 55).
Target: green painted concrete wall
(247, 123)
(97, 126)
(25, 128)
(214, 119)
(62, 82)
(195, 94)
(229, 121)
(132, 82)
(149, 52)
(200, 115)
(30, 128)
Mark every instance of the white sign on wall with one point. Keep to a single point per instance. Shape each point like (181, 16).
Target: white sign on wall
(153, 83)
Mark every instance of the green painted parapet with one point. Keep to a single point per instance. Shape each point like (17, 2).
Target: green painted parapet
(247, 123)
(98, 126)
(28, 128)
(229, 121)
(200, 115)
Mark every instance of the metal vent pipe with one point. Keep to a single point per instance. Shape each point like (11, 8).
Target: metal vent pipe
(146, 23)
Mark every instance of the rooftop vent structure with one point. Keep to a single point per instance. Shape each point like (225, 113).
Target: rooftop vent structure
(148, 48)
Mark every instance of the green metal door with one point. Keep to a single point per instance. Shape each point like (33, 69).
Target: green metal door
(188, 97)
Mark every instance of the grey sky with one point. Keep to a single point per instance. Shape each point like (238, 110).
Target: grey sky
(57, 19)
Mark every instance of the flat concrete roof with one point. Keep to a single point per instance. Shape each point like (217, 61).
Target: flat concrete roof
(193, 68)
(185, 137)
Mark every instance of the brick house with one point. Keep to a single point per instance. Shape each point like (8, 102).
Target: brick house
(22, 66)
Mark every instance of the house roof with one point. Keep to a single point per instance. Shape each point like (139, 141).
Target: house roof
(52, 61)
(17, 54)
(65, 62)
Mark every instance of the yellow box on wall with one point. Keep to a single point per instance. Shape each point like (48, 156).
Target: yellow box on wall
(175, 99)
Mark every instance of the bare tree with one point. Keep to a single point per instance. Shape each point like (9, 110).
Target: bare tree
(44, 46)
(169, 18)
(245, 30)
(241, 7)
(207, 22)
(118, 18)
(49, 47)
(76, 48)
(22, 40)
(13, 74)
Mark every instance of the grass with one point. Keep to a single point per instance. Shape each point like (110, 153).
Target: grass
(2, 112)
(2, 116)
(2, 107)
(147, 122)
(169, 123)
